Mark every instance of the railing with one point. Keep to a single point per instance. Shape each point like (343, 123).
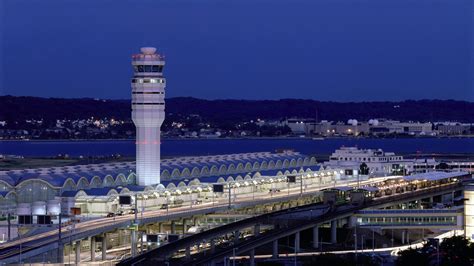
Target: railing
(407, 211)
(155, 57)
(407, 224)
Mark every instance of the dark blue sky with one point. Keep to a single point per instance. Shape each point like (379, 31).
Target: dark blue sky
(342, 50)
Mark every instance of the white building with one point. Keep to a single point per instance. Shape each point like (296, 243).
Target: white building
(148, 113)
(298, 125)
(469, 212)
(407, 127)
(380, 163)
(452, 128)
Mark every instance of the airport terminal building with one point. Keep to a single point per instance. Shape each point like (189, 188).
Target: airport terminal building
(179, 176)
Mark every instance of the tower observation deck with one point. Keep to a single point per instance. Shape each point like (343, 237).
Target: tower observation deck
(148, 113)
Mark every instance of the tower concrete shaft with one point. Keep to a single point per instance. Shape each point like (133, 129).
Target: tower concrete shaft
(148, 113)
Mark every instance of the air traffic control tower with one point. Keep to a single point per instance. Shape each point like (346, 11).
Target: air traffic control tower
(148, 113)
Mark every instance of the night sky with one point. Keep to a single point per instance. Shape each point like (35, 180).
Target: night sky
(341, 50)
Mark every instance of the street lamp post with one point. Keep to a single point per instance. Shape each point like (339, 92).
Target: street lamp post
(230, 196)
(167, 204)
(60, 259)
(253, 191)
(233, 257)
(301, 185)
(19, 236)
(143, 207)
(136, 208)
(373, 241)
(288, 188)
(355, 242)
(271, 190)
(437, 254)
(9, 225)
(358, 181)
(392, 238)
(71, 232)
(213, 197)
(135, 224)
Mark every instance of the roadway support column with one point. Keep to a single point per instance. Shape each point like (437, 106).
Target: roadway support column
(92, 248)
(78, 252)
(316, 237)
(252, 257)
(60, 253)
(185, 226)
(160, 228)
(334, 232)
(256, 230)
(213, 246)
(403, 236)
(297, 242)
(173, 227)
(236, 237)
(188, 253)
(104, 247)
(275, 249)
(134, 242)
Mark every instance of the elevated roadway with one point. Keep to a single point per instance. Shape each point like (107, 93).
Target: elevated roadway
(162, 254)
(14, 251)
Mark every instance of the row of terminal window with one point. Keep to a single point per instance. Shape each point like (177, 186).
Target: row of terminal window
(366, 159)
(148, 68)
(410, 220)
(148, 80)
(137, 103)
(148, 92)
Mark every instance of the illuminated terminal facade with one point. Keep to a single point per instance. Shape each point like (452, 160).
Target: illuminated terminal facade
(469, 211)
(179, 175)
(148, 113)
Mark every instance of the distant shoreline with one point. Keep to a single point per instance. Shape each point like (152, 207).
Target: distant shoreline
(244, 138)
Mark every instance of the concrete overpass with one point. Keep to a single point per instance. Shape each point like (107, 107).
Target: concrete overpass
(284, 226)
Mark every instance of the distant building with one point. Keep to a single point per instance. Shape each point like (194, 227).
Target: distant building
(355, 128)
(406, 127)
(380, 163)
(299, 125)
(469, 212)
(449, 128)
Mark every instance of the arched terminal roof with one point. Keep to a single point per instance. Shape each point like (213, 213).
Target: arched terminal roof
(175, 170)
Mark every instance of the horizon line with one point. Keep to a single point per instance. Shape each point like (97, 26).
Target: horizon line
(237, 99)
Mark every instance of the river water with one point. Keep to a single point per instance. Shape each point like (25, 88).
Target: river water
(172, 147)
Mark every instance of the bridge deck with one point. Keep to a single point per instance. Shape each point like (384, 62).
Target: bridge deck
(161, 253)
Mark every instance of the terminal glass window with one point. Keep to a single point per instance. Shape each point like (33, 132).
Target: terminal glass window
(139, 80)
